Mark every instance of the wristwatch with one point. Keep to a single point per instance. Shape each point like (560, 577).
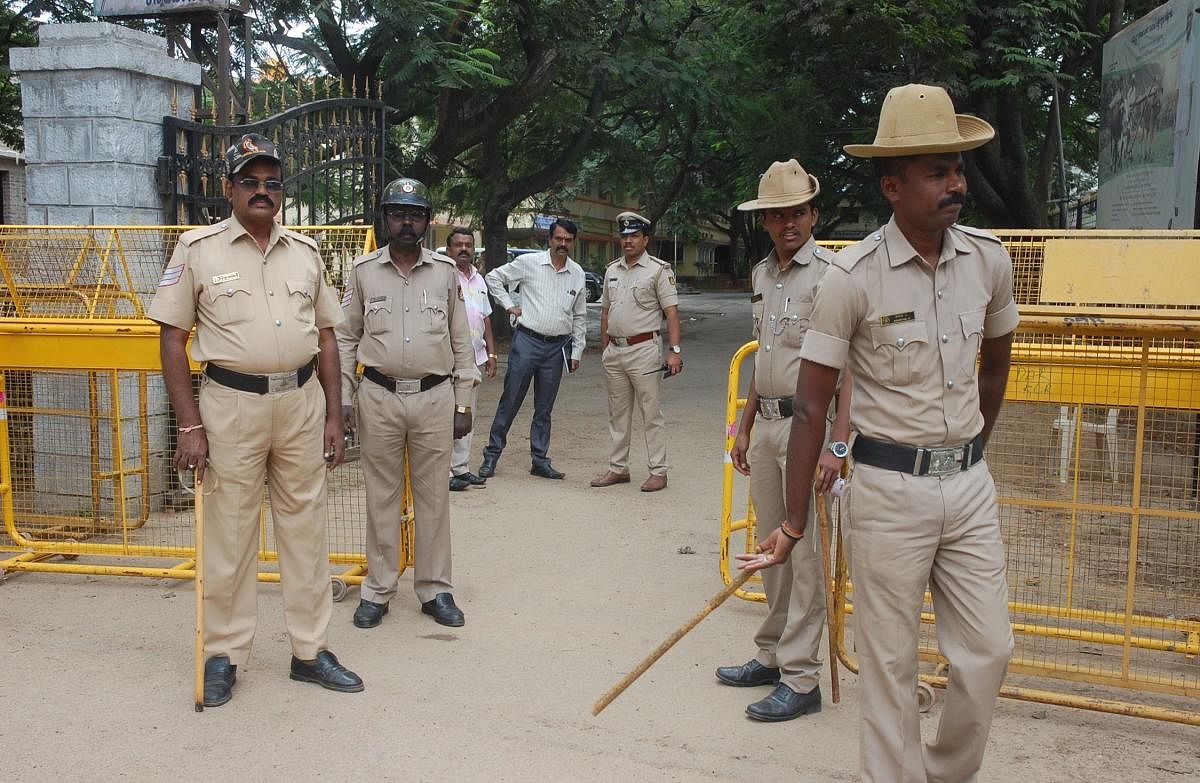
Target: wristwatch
(465, 409)
(839, 449)
(676, 349)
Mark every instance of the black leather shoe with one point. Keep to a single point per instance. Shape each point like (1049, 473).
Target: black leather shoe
(487, 468)
(748, 674)
(443, 610)
(472, 479)
(369, 614)
(546, 471)
(459, 485)
(785, 704)
(219, 677)
(326, 672)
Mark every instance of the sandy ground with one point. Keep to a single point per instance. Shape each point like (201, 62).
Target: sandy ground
(564, 587)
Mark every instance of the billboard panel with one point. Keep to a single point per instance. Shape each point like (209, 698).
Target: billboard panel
(1150, 121)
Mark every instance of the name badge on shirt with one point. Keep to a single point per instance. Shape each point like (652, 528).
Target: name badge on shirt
(375, 299)
(755, 298)
(897, 318)
(226, 278)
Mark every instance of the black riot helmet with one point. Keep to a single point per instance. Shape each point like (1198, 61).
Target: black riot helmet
(406, 191)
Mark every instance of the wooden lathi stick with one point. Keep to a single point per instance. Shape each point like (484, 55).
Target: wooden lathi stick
(669, 642)
(199, 684)
(826, 551)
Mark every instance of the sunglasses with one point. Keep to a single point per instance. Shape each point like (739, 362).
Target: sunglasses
(251, 185)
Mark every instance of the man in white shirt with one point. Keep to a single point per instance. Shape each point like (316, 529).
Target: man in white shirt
(551, 326)
(461, 247)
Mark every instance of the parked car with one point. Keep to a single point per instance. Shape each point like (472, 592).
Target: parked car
(594, 283)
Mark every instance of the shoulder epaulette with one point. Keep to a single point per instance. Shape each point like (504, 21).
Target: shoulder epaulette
(978, 232)
(196, 234)
(369, 256)
(660, 262)
(848, 257)
(445, 259)
(304, 238)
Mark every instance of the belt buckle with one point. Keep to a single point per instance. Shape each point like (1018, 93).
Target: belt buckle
(408, 385)
(943, 462)
(282, 381)
(769, 408)
(622, 342)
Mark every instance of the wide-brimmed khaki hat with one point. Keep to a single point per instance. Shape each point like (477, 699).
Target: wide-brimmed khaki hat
(918, 119)
(786, 184)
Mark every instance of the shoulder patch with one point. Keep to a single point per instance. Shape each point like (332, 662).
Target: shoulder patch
(848, 257)
(196, 234)
(978, 233)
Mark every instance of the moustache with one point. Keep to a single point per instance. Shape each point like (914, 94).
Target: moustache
(262, 200)
(955, 198)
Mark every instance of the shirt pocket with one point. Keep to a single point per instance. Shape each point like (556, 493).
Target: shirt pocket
(231, 303)
(972, 330)
(377, 315)
(433, 316)
(793, 324)
(300, 300)
(645, 296)
(896, 351)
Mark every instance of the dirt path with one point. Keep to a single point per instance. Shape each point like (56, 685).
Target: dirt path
(564, 587)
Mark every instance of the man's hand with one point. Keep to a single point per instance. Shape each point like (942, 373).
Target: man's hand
(335, 443)
(191, 452)
(348, 418)
(515, 311)
(674, 363)
(574, 365)
(741, 446)
(489, 367)
(773, 550)
(829, 468)
(462, 424)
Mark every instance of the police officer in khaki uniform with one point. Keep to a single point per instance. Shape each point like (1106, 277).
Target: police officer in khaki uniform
(639, 292)
(406, 323)
(908, 310)
(264, 318)
(784, 283)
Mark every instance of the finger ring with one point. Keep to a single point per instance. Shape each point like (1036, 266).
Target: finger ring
(191, 467)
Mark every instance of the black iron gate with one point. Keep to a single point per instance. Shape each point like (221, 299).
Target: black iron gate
(333, 166)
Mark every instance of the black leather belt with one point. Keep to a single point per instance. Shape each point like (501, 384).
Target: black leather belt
(270, 383)
(917, 460)
(403, 385)
(775, 407)
(546, 338)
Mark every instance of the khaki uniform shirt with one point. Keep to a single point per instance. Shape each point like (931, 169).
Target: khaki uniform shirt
(910, 334)
(635, 296)
(406, 327)
(782, 304)
(254, 312)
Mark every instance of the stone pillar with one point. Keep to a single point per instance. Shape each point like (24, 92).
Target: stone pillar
(93, 97)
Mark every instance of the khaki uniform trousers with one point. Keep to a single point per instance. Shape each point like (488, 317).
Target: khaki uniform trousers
(460, 451)
(904, 531)
(252, 437)
(631, 377)
(424, 422)
(790, 636)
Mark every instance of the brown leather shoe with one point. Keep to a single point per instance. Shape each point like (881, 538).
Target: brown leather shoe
(608, 478)
(654, 483)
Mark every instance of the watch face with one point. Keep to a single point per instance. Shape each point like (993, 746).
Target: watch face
(839, 449)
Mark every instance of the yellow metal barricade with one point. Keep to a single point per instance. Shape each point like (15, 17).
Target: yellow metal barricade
(85, 434)
(1096, 457)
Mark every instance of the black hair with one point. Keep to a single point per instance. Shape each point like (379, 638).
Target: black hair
(892, 166)
(567, 225)
(461, 230)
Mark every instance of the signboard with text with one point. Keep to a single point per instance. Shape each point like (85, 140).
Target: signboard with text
(106, 8)
(1150, 121)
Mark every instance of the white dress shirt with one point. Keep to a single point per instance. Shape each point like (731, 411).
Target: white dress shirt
(553, 301)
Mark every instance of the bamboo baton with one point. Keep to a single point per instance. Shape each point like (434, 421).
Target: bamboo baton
(199, 694)
(826, 552)
(669, 642)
